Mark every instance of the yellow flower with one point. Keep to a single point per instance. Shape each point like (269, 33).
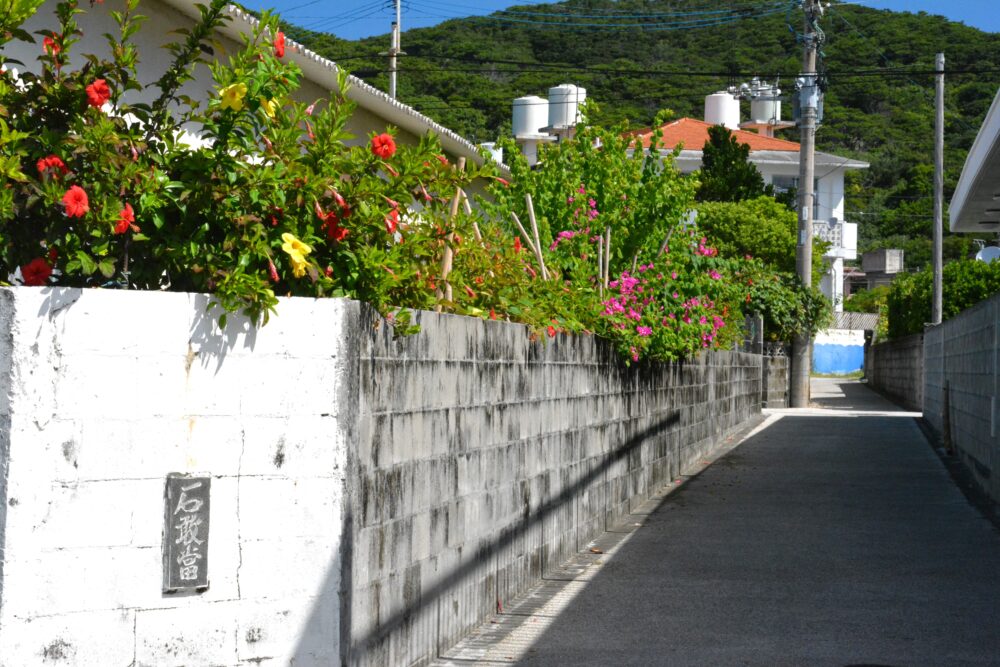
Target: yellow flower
(268, 106)
(232, 96)
(297, 251)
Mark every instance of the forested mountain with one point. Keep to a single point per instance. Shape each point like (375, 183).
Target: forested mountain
(879, 103)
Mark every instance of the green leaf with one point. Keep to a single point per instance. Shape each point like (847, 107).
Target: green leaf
(107, 268)
(86, 262)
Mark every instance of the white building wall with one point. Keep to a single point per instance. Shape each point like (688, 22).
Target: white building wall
(154, 60)
(106, 392)
(830, 206)
(829, 187)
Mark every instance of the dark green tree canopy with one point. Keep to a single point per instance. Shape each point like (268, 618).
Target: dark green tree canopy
(726, 171)
(465, 72)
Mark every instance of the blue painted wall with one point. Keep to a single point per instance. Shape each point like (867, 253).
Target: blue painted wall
(831, 358)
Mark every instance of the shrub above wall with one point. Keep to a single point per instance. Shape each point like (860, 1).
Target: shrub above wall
(965, 284)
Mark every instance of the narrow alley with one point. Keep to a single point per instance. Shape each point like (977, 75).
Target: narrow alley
(829, 536)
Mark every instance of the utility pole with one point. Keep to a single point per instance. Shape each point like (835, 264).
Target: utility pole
(809, 105)
(394, 48)
(936, 303)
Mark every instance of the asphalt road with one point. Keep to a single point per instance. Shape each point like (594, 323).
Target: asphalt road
(828, 538)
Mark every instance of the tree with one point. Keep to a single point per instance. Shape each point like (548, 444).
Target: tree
(726, 171)
(762, 228)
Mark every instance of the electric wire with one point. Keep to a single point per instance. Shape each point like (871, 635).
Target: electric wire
(746, 7)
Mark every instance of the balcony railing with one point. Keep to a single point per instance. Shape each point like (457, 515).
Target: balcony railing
(842, 237)
(832, 234)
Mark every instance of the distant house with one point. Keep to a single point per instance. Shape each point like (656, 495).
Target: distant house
(375, 109)
(778, 162)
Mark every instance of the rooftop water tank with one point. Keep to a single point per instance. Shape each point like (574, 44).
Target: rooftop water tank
(496, 152)
(765, 103)
(988, 254)
(723, 108)
(531, 114)
(564, 105)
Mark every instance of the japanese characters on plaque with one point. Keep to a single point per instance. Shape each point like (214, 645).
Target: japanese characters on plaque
(185, 533)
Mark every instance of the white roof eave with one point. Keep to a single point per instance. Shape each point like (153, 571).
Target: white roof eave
(783, 158)
(980, 179)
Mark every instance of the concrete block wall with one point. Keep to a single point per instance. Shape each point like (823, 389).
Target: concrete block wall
(106, 392)
(775, 380)
(373, 499)
(896, 368)
(485, 458)
(961, 389)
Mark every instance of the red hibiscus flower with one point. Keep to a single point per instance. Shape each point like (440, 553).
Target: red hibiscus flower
(75, 201)
(279, 45)
(551, 331)
(335, 232)
(331, 220)
(98, 93)
(52, 164)
(36, 272)
(392, 221)
(51, 46)
(126, 219)
(383, 146)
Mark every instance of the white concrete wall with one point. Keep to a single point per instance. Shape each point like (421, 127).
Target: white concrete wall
(102, 394)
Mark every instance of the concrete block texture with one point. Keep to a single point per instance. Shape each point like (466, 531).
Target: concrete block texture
(775, 381)
(961, 389)
(896, 368)
(485, 458)
(104, 393)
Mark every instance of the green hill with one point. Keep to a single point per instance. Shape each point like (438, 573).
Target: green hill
(879, 104)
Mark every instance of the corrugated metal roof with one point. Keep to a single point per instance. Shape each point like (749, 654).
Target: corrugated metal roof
(845, 320)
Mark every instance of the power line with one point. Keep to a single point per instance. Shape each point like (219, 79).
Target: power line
(610, 12)
(530, 67)
(747, 8)
(654, 26)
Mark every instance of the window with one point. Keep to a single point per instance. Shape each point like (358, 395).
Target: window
(782, 184)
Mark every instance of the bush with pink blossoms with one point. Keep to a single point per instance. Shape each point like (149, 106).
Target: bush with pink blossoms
(676, 305)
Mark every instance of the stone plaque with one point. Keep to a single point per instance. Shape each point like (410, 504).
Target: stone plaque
(185, 533)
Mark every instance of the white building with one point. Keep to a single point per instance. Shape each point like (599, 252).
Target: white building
(778, 162)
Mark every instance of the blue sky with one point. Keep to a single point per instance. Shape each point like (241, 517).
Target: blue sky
(352, 19)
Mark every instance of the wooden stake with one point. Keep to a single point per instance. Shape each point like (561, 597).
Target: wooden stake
(447, 259)
(475, 225)
(524, 234)
(607, 256)
(600, 266)
(534, 229)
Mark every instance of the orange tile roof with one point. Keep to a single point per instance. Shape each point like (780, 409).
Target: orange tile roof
(693, 134)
